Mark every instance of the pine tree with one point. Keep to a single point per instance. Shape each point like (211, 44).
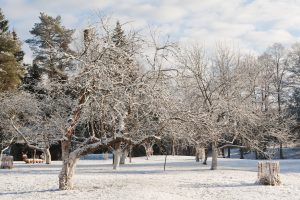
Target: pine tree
(11, 56)
(32, 78)
(118, 36)
(49, 40)
(3, 23)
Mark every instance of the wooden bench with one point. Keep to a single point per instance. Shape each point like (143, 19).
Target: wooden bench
(31, 160)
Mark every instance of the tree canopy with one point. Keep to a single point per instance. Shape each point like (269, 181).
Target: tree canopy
(11, 56)
(49, 43)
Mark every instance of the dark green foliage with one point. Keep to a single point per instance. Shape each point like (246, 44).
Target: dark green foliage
(11, 56)
(31, 79)
(118, 36)
(49, 40)
(19, 55)
(3, 23)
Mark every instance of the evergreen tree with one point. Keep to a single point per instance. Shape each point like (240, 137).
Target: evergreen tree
(49, 40)
(118, 36)
(32, 78)
(11, 57)
(19, 55)
(3, 23)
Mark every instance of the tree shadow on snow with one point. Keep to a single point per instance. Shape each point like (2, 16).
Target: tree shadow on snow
(28, 192)
(218, 185)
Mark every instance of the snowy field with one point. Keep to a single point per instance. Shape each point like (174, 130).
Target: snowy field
(145, 179)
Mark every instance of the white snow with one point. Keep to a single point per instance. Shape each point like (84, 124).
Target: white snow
(145, 179)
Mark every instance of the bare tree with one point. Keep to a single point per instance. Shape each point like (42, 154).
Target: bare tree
(119, 101)
(24, 116)
(220, 92)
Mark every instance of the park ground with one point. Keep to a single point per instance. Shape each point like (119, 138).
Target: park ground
(146, 179)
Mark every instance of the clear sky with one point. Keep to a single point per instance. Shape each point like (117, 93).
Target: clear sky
(251, 24)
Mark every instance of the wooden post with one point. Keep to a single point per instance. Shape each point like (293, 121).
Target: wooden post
(7, 162)
(268, 173)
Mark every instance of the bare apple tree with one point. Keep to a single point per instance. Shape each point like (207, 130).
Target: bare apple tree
(36, 121)
(119, 97)
(219, 91)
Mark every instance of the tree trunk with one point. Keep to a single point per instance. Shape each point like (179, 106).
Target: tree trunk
(281, 151)
(173, 148)
(268, 173)
(130, 153)
(1, 154)
(228, 152)
(223, 152)
(117, 155)
(67, 171)
(34, 152)
(149, 151)
(123, 157)
(66, 174)
(65, 177)
(47, 156)
(199, 154)
(214, 162)
(205, 156)
(7, 162)
(241, 153)
(105, 155)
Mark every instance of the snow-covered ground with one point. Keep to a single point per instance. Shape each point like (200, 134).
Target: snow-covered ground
(145, 179)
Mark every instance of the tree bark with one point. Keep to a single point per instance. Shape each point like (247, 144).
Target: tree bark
(47, 156)
(1, 154)
(197, 157)
(198, 154)
(149, 151)
(117, 155)
(281, 151)
(34, 152)
(205, 156)
(67, 171)
(130, 154)
(123, 157)
(228, 152)
(214, 162)
(223, 152)
(173, 148)
(70, 158)
(241, 153)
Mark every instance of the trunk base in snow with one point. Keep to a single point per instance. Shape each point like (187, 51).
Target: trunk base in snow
(117, 157)
(268, 173)
(214, 162)
(67, 173)
(47, 156)
(66, 178)
(7, 162)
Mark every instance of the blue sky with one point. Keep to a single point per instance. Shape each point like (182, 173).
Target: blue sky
(253, 25)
